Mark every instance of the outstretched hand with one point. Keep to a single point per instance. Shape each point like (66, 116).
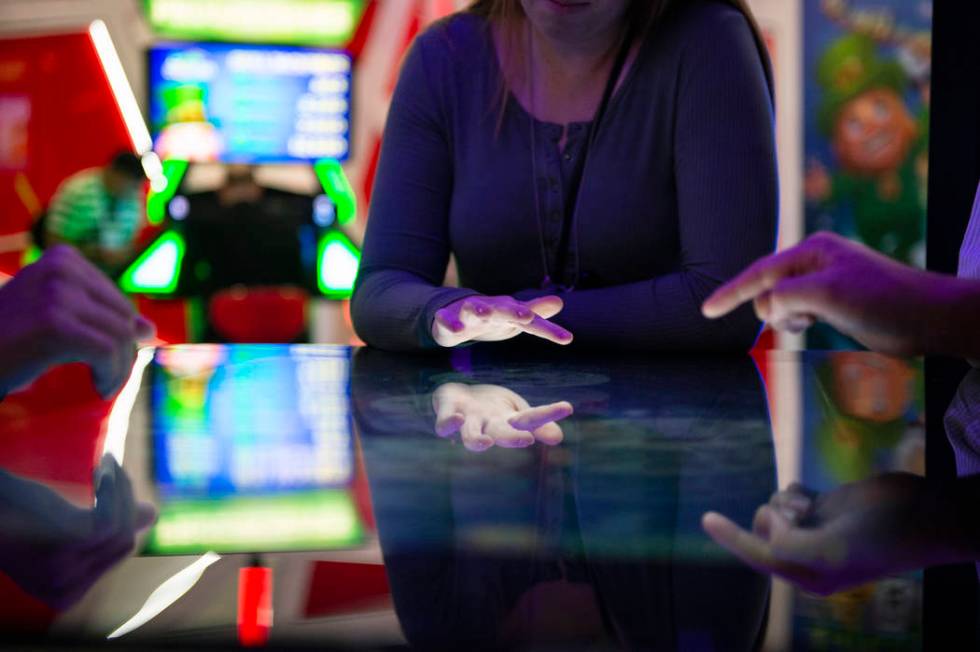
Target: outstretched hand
(490, 415)
(491, 319)
(884, 305)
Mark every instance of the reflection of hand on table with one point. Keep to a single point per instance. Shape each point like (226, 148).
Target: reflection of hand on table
(855, 533)
(489, 415)
(491, 319)
(56, 551)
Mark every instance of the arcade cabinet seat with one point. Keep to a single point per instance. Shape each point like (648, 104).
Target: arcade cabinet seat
(275, 314)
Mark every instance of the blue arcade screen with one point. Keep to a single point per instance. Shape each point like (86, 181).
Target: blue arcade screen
(249, 103)
(252, 450)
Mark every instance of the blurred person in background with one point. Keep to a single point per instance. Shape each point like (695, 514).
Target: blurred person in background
(99, 211)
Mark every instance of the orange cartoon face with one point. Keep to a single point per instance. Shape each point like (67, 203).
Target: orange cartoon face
(874, 132)
(878, 388)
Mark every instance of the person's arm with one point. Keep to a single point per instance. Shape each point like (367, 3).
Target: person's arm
(406, 247)
(887, 306)
(725, 169)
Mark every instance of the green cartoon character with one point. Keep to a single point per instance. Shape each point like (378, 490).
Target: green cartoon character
(879, 148)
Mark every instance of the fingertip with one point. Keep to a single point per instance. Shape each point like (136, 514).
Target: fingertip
(145, 329)
(717, 526)
(518, 442)
(146, 515)
(709, 310)
(450, 425)
(454, 325)
(479, 444)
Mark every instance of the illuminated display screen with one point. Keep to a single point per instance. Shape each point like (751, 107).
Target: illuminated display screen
(252, 449)
(296, 22)
(249, 103)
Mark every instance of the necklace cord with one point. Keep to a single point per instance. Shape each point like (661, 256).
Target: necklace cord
(570, 226)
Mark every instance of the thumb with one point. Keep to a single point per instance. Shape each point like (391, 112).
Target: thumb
(807, 295)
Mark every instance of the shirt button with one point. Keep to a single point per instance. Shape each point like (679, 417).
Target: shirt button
(567, 156)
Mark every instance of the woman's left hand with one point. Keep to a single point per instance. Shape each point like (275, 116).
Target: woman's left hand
(491, 319)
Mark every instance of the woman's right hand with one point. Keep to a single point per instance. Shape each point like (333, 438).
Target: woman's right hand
(491, 319)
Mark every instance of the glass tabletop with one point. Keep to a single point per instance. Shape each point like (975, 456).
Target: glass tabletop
(351, 498)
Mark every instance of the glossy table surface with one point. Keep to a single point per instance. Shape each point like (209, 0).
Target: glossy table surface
(326, 466)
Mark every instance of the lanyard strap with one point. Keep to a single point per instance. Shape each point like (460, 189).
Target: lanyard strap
(576, 180)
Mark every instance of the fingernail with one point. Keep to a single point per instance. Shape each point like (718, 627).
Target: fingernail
(797, 325)
(789, 513)
(799, 503)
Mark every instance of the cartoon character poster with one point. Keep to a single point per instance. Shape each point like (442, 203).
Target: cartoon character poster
(866, 105)
(863, 414)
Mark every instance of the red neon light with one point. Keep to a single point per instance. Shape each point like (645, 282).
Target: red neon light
(254, 605)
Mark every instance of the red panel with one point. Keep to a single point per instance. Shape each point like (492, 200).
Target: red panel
(20, 612)
(337, 587)
(169, 316)
(259, 314)
(52, 431)
(254, 605)
(73, 122)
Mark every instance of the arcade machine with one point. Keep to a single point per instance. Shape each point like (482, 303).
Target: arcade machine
(251, 262)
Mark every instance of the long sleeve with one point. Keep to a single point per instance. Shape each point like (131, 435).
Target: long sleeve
(727, 196)
(406, 247)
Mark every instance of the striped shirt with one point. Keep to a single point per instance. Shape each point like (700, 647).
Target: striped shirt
(84, 213)
(969, 266)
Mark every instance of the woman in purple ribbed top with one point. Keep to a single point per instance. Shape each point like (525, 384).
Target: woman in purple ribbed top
(595, 167)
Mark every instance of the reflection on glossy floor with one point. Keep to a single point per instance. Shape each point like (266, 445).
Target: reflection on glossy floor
(394, 501)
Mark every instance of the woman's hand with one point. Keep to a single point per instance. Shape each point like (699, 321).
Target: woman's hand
(491, 319)
(489, 415)
(851, 535)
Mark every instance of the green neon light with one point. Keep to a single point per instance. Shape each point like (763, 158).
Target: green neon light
(156, 201)
(296, 521)
(337, 262)
(157, 270)
(323, 23)
(31, 255)
(338, 189)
